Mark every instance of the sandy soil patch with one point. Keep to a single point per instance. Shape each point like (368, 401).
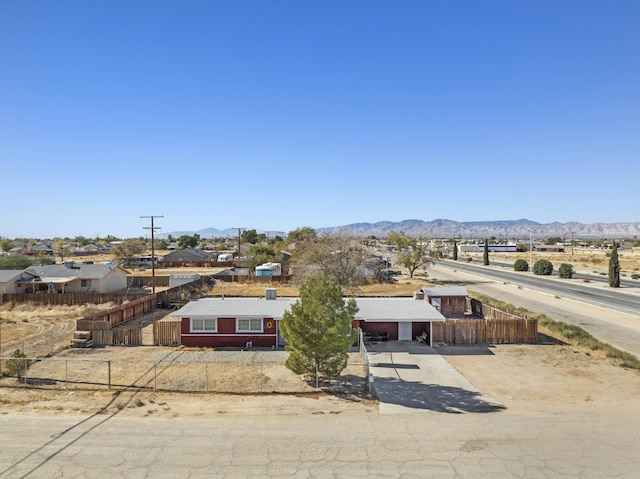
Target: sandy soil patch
(546, 377)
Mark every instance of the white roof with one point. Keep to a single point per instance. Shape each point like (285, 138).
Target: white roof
(444, 291)
(370, 309)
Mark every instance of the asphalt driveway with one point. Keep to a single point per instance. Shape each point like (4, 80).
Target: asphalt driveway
(410, 378)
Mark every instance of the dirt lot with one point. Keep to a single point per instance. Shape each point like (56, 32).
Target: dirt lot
(526, 378)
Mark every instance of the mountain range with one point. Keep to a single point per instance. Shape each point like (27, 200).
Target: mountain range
(443, 228)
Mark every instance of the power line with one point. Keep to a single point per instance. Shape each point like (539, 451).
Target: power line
(153, 249)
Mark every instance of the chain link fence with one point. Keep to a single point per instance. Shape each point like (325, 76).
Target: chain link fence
(235, 372)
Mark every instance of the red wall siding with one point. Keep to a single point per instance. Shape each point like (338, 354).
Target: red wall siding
(380, 328)
(227, 336)
(219, 340)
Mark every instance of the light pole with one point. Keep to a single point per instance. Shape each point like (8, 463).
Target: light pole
(530, 250)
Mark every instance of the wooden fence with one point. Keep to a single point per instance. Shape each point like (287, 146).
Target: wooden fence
(68, 298)
(117, 337)
(166, 333)
(492, 325)
(478, 331)
(119, 314)
(140, 281)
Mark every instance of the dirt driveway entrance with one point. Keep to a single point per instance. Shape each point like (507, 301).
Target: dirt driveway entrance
(410, 378)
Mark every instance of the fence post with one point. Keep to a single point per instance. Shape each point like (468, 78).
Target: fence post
(155, 375)
(109, 373)
(206, 376)
(66, 374)
(260, 377)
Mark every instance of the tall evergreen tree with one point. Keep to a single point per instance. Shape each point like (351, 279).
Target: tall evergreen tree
(455, 251)
(614, 268)
(318, 329)
(485, 257)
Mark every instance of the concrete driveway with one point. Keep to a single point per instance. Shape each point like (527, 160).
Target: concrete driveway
(410, 378)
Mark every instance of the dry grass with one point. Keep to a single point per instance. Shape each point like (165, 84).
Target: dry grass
(41, 329)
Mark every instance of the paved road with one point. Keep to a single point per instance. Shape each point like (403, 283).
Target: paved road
(483, 445)
(618, 300)
(596, 278)
(618, 329)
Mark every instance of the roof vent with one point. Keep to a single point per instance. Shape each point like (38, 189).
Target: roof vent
(270, 293)
(418, 295)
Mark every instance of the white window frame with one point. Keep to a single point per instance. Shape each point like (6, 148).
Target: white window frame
(203, 322)
(250, 330)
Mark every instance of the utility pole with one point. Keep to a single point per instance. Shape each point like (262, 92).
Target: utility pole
(572, 243)
(153, 249)
(240, 230)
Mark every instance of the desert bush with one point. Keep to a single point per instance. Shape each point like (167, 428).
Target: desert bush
(18, 364)
(635, 276)
(542, 267)
(521, 265)
(565, 270)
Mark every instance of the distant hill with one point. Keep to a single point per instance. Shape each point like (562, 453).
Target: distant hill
(443, 228)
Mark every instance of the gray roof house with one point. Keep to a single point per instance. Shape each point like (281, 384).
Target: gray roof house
(211, 322)
(8, 280)
(71, 277)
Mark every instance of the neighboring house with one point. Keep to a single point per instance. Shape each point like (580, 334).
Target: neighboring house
(71, 277)
(450, 301)
(8, 278)
(187, 256)
(215, 322)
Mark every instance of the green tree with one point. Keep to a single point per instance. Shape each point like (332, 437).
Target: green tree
(127, 251)
(614, 268)
(60, 248)
(455, 251)
(305, 233)
(521, 265)
(18, 364)
(250, 236)
(6, 244)
(485, 256)
(411, 252)
(318, 329)
(188, 241)
(565, 271)
(542, 267)
(260, 254)
(16, 261)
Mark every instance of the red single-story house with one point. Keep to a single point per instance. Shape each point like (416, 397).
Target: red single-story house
(217, 322)
(450, 301)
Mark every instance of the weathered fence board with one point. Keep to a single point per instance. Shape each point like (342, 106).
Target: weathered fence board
(69, 298)
(478, 331)
(166, 333)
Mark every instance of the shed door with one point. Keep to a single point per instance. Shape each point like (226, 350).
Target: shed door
(404, 331)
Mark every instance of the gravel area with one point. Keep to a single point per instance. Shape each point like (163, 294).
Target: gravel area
(222, 356)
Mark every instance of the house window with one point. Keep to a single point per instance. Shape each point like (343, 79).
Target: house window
(85, 283)
(210, 325)
(249, 325)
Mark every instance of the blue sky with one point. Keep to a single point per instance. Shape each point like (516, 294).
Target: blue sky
(279, 114)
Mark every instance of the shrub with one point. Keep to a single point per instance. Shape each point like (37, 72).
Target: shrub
(635, 276)
(521, 265)
(542, 267)
(18, 365)
(565, 270)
